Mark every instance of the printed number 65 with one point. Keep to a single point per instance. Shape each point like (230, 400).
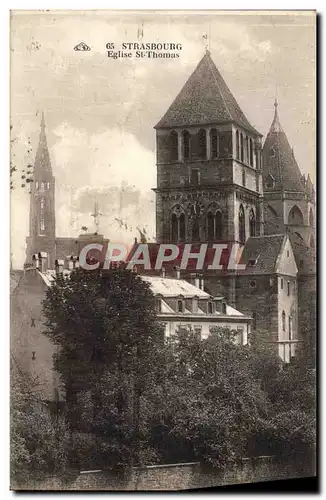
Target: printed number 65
(110, 46)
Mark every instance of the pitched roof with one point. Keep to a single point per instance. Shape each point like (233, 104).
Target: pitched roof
(261, 252)
(205, 99)
(279, 160)
(173, 287)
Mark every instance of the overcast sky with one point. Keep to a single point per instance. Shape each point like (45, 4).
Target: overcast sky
(100, 112)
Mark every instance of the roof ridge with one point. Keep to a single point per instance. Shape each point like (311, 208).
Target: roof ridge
(211, 63)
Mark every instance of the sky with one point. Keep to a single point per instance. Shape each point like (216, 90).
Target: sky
(100, 112)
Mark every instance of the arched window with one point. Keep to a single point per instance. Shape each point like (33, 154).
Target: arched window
(218, 225)
(251, 159)
(186, 144)
(214, 224)
(290, 328)
(244, 177)
(311, 218)
(237, 145)
(180, 305)
(174, 224)
(283, 321)
(252, 223)
(202, 143)
(182, 227)
(195, 231)
(173, 146)
(295, 217)
(242, 226)
(214, 143)
(246, 150)
(210, 227)
(42, 215)
(241, 147)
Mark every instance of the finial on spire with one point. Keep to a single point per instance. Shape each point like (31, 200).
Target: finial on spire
(42, 122)
(275, 103)
(96, 216)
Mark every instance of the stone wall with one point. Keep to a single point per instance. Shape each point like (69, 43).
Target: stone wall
(174, 477)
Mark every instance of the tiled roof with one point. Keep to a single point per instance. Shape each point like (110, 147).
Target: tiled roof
(279, 160)
(205, 99)
(263, 251)
(172, 287)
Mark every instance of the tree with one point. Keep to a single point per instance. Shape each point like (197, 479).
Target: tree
(103, 324)
(38, 439)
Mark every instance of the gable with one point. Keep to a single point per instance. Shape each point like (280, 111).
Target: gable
(286, 261)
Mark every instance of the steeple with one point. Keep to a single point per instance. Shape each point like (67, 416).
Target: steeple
(278, 159)
(205, 99)
(42, 165)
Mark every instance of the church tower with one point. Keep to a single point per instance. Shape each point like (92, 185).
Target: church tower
(289, 197)
(42, 204)
(209, 170)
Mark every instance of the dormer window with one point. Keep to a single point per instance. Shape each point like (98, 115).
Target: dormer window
(223, 307)
(210, 307)
(180, 306)
(158, 305)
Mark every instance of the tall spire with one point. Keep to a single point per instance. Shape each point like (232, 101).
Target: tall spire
(276, 126)
(42, 158)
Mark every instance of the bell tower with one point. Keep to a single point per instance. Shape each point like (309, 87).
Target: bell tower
(42, 204)
(209, 170)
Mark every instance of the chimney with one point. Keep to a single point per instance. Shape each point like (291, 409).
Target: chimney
(59, 266)
(194, 278)
(43, 258)
(36, 261)
(177, 272)
(201, 282)
(163, 272)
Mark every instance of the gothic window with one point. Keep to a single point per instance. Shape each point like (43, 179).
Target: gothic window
(175, 224)
(173, 146)
(242, 227)
(195, 176)
(214, 225)
(290, 328)
(237, 145)
(182, 227)
(214, 143)
(218, 225)
(295, 216)
(178, 224)
(186, 144)
(283, 321)
(241, 147)
(252, 223)
(195, 231)
(210, 227)
(202, 143)
(42, 219)
(244, 177)
(251, 159)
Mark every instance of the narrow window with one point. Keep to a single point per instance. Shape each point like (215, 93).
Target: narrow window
(288, 288)
(241, 146)
(244, 177)
(214, 143)
(223, 307)
(186, 144)
(210, 308)
(290, 328)
(33, 355)
(42, 217)
(180, 306)
(281, 283)
(218, 225)
(195, 177)
(158, 305)
(174, 146)
(246, 150)
(33, 322)
(42, 187)
(254, 320)
(202, 144)
(251, 153)
(195, 231)
(252, 223)
(174, 222)
(237, 145)
(210, 227)
(283, 321)
(242, 228)
(182, 227)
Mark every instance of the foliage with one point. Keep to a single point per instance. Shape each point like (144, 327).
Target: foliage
(38, 439)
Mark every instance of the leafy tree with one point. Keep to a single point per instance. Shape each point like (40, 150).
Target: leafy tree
(104, 326)
(38, 439)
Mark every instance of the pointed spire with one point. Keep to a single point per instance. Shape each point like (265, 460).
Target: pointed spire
(276, 126)
(42, 158)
